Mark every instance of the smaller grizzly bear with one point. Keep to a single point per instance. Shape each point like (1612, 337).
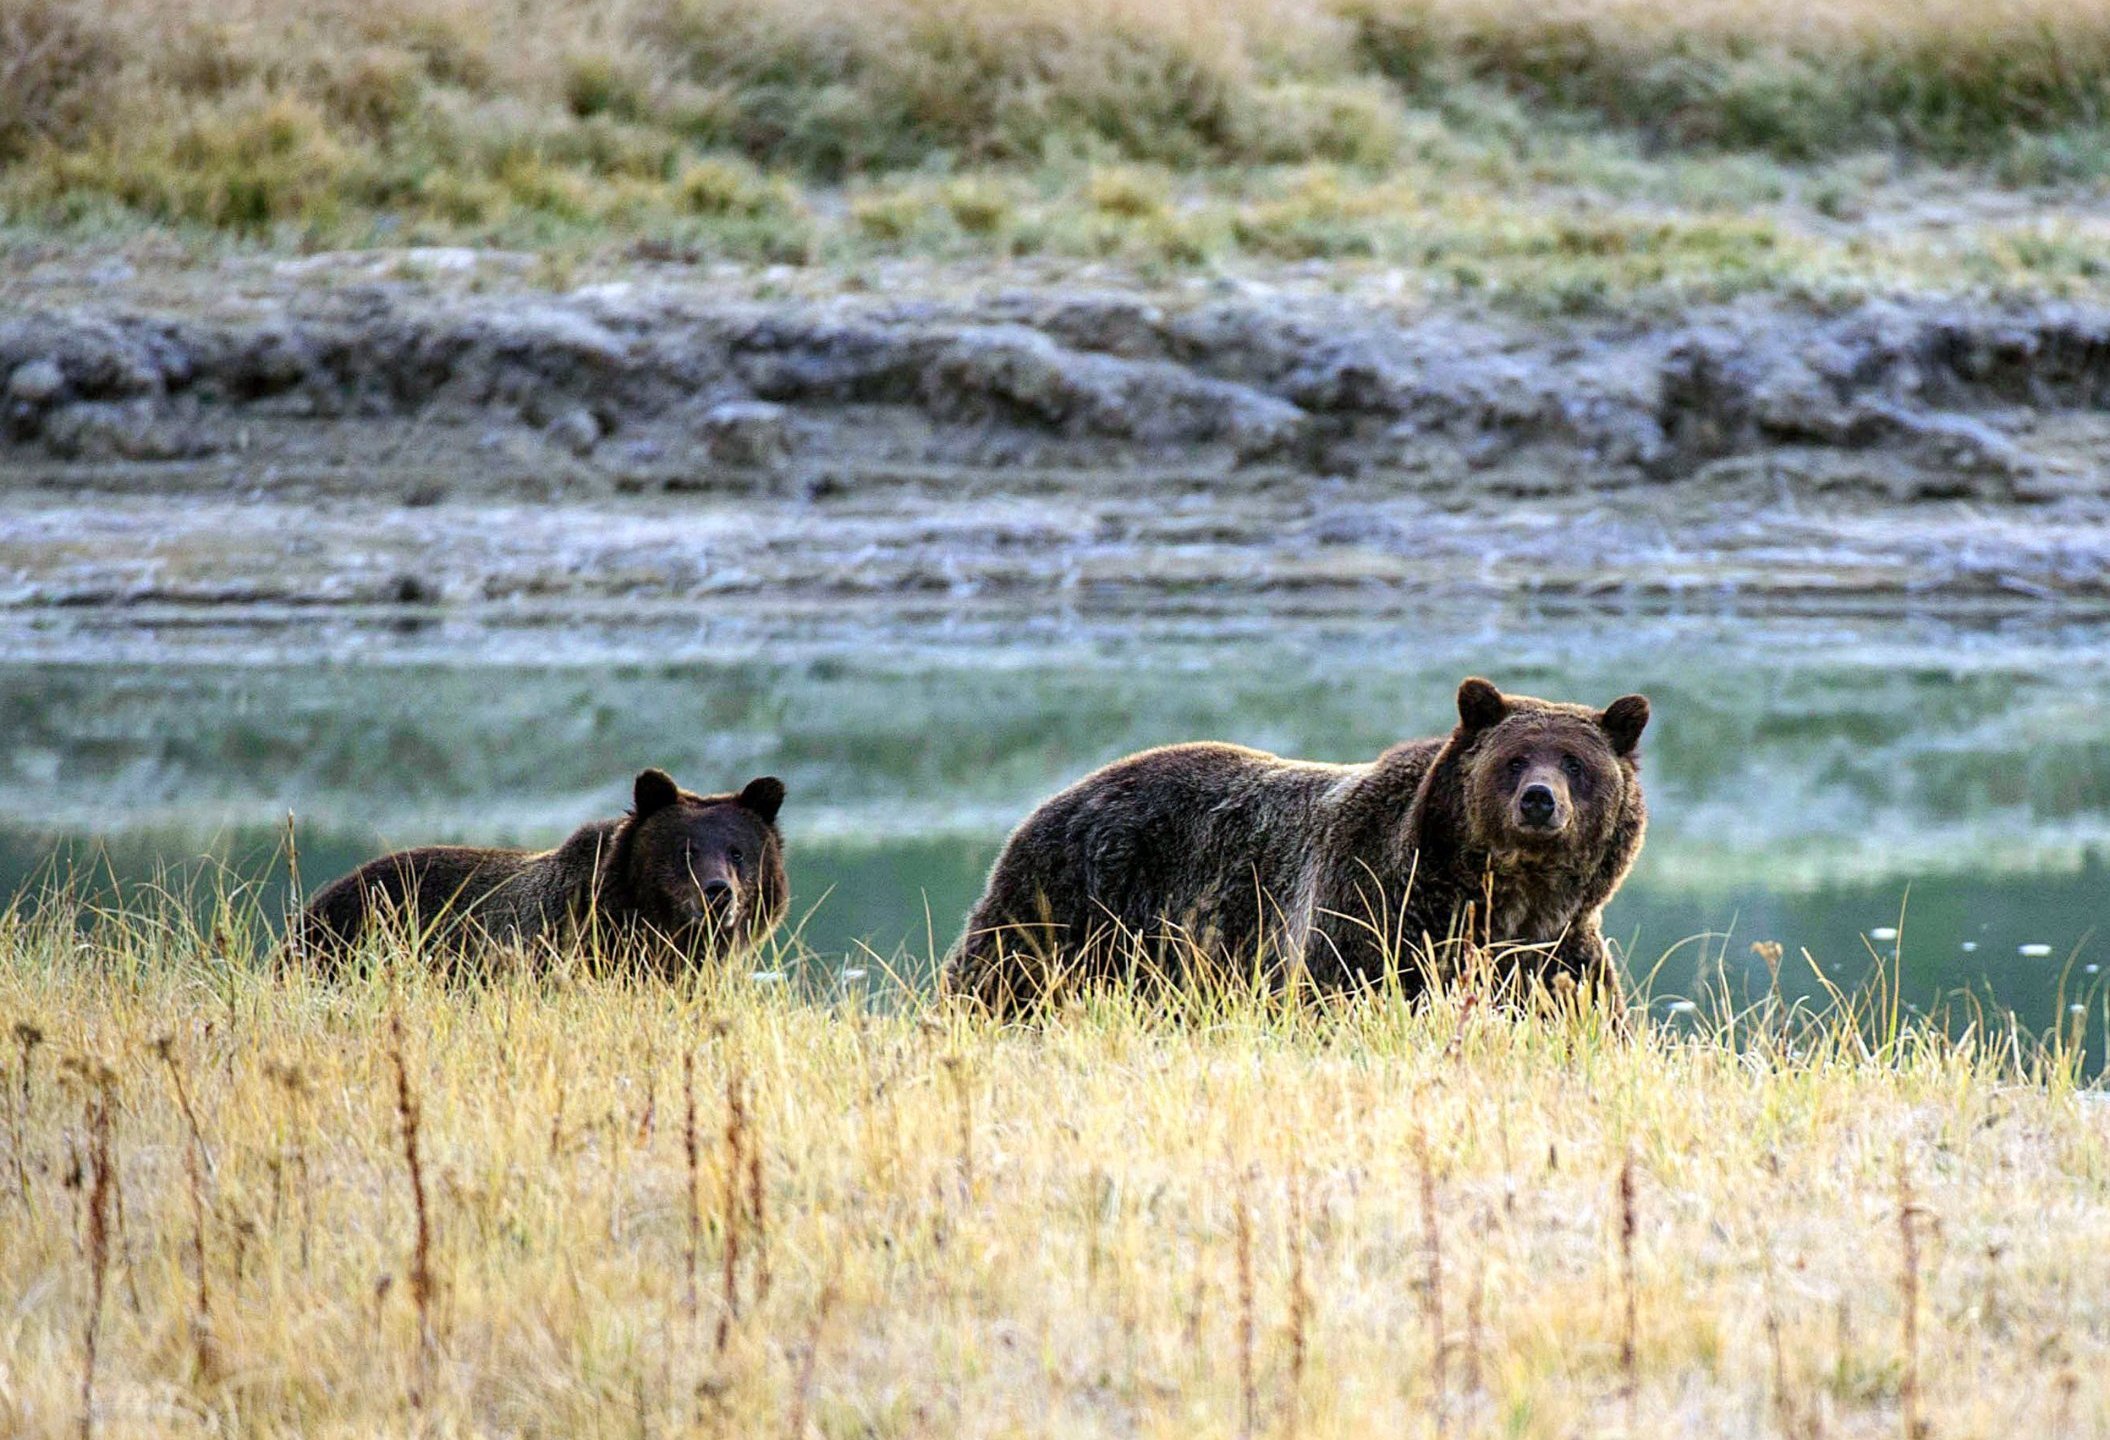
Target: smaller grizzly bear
(1514, 830)
(681, 877)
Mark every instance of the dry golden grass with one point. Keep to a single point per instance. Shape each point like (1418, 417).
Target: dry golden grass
(731, 1209)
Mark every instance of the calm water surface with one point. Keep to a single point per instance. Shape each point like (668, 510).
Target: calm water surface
(1822, 780)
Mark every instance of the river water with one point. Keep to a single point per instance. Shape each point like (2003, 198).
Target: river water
(1923, 786)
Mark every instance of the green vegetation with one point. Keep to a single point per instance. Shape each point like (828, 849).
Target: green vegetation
(242, 1205)
(1568, 154)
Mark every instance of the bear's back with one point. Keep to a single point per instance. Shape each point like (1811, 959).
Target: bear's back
(1206, 840)
(430, 890)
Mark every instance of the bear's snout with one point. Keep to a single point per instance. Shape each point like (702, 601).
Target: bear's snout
(1543, 805)
(715, 903)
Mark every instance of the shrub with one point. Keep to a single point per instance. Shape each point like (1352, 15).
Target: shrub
(723, 187)
(55, 61)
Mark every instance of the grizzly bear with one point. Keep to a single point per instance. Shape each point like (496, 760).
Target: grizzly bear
(681, 877)
(1511, 832)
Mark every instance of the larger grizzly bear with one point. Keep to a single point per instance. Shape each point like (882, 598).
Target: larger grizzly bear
(679, 878)
(1513, 830)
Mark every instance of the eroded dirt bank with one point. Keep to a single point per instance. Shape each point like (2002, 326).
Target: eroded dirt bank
(342, 439)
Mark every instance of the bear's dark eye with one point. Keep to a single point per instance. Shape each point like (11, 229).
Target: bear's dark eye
(1516, 767)
(735, 855)
(1573, 766)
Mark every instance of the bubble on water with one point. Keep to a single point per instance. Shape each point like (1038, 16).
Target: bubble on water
(2077, 1009)
(1683, 1007)
(1969, 946)
(766, 977)
(2090, 969)
(1884, 932)
(2034, 950)
(853, 974)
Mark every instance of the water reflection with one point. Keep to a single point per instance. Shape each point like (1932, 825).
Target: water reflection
(1813, 777)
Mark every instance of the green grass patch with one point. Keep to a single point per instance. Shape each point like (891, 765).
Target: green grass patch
(1603, 153)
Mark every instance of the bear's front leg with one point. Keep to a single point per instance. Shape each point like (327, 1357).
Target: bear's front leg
(1584, 956)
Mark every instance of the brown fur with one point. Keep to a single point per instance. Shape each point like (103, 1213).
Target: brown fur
(1215, 854)
(679, 878)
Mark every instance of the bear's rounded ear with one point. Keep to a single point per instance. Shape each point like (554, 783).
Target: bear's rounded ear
(655, 791)
(1624, 720)
(765, 796)
(1480, 705)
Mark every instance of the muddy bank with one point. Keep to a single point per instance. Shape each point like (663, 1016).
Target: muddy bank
(1164, 537)
(635, 387)
(707, 442)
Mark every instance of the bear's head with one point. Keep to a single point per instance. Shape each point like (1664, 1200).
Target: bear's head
(1546, 782)
(707, 871)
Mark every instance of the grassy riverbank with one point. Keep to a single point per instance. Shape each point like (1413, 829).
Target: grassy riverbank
(897, 1220)
(1562, 156)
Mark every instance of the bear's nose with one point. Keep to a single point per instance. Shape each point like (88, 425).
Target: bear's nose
(1537, 804)
(718, 896)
